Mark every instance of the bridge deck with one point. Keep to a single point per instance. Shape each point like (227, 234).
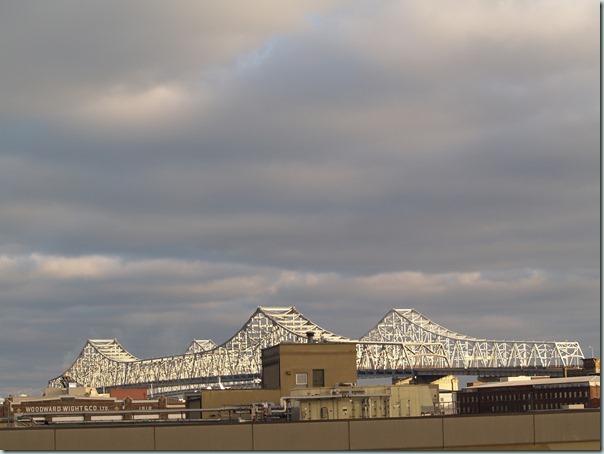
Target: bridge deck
(478, 371)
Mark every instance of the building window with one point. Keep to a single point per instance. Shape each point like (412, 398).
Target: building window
(318, 377)
(302, 379)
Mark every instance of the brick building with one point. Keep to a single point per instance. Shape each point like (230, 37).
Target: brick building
(78, 407)
(530, 395)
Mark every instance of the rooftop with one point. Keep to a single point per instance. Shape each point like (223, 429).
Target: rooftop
(592, 380)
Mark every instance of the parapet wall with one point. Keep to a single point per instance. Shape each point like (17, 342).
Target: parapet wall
(571, 430)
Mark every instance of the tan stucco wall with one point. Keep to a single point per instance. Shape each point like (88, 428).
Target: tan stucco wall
(337, 360)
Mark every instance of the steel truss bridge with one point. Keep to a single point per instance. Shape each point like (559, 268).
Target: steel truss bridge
(403, 341)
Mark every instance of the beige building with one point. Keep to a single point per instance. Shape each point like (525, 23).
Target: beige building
(366, 402)
(299, 366)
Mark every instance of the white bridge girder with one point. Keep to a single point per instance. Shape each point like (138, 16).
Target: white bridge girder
(408, 325)
(404, 339)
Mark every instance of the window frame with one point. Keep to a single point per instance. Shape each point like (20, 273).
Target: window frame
(316, 383)
(299, 376)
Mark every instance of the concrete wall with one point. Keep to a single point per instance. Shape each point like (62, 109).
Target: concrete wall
(570, 430)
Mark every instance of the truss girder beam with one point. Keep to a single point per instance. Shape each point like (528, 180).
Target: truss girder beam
(404, 339)
(408, 325)
(240, 355)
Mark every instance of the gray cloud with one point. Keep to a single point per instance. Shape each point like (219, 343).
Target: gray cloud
(179, 300)
(376, 154)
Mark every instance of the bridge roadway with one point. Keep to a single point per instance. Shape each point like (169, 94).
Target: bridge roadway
(424, 374)
(553, 372)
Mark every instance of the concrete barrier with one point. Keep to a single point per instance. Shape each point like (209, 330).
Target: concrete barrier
(227, 437)
(483, 430)
(403, 433)
(569, 426)
(104, 439)
(570, 430)
(28, 440)
(305, 436)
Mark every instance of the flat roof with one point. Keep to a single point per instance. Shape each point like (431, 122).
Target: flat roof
(590, 379)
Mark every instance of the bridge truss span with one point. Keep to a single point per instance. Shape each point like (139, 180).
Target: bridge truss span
(410, 326)
(104, 363)
(403, 340)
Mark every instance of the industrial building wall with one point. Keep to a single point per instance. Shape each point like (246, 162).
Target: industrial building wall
(217, 398)
(270, 376)
(528, 397)
(315, 404)
(570, 430)
(337, 361)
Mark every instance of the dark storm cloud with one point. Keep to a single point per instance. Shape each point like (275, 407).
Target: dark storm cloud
(167, 166)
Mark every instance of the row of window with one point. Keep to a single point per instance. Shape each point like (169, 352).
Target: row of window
(538, 396)
(525, 396)
(501, 398)
(506, 408)
(565, 394)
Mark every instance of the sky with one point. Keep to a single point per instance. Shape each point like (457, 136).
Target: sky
(168, 167)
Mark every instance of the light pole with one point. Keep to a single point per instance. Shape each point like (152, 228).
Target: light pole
(592, 350)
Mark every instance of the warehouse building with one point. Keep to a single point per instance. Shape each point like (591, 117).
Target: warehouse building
(79, 404)
(530, 394)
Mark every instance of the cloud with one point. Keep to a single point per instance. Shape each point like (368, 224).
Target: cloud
(69, 267)
(196, 282)
(191, 161)
(66, 53)
(180, 300)
(119, 108)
